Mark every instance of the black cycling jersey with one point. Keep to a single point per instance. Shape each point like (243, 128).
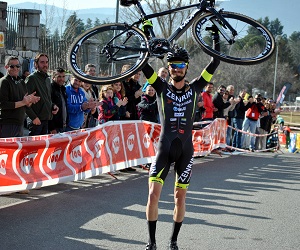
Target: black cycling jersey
(177, 108)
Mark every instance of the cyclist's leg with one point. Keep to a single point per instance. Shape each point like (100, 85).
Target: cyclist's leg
(158, 172)
(183, 168)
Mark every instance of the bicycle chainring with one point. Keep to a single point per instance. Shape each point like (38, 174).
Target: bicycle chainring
(159, 46)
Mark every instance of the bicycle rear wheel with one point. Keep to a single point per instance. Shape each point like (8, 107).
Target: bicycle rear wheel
(109, 47)
(253, 43)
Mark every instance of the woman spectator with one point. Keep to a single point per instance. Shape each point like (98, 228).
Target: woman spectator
(119, 94)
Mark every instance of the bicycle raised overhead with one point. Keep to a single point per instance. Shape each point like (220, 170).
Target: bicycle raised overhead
(243, 41)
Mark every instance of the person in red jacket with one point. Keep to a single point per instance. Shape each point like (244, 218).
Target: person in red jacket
(253, 113)
(208, 114)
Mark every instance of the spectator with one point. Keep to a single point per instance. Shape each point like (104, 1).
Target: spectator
(147, 108)
(25, 74)
(230, 89)
(238, 119)
(162, 73)
(39, 82)
(200, 108)
(13, 102)
(208, 114)
(280, 121)
(109, 108)
(119, 94)
(58, 95)
(252, 114)
(90, 118)
(219, 103)
(133, 92)
(263, 128)
(90, 69)
(77, 104)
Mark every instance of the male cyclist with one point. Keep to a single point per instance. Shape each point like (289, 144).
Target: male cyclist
(177, 104)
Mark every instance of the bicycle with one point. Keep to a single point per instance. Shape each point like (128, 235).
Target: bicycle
(113, 45)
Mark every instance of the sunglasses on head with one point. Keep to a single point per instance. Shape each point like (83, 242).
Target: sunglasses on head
(180, 65)
(13, 66)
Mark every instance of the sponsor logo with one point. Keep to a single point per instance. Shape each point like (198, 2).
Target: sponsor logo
(179, 114)
(76, 154)
(146, 140)
(3, 160)
(130, 141)
(173, 119)
(180, 98)
(27, 162)
(176, 109)
(53, 159)
(116, 144)
(98, 146)
(186, 174)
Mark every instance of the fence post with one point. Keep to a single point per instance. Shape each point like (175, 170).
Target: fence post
(3, 14)
(29, 26)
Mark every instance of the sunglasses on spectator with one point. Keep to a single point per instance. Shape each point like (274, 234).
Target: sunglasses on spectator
(222, 90)
(13, 66)
(178, 65)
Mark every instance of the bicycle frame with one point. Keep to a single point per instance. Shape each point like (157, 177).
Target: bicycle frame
(202, 7)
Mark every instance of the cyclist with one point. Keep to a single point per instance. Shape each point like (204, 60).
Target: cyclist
(177, 104)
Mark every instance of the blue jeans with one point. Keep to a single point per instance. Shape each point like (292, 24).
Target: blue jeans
(229, 134)
(249, 125)
(237, 136)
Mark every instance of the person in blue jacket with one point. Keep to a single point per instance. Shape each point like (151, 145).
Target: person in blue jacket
(77, 104)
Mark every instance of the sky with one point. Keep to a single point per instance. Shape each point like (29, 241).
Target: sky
(73, 4)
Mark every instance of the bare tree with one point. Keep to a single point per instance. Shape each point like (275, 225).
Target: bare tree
(168, 23)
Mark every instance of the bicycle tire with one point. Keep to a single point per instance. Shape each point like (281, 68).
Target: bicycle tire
(253, 43)
(88, 49)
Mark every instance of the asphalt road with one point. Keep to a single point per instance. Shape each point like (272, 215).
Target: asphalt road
(248, 201)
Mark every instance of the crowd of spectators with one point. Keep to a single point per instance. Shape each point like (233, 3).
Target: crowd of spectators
(251, 115)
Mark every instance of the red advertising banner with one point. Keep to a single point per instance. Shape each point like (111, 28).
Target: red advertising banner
(31, 162)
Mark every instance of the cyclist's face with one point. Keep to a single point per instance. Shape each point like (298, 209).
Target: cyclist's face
(177, 73)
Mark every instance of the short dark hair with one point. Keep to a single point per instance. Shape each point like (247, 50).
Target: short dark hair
(57, 70)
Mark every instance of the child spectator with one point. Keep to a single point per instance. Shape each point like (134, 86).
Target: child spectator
(147, 108)
(109, 108)
(119, 94)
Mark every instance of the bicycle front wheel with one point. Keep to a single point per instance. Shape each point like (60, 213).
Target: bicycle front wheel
(253, 43)
(108, 47)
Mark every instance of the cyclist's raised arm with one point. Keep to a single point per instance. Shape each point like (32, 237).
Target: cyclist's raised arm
(152, 77)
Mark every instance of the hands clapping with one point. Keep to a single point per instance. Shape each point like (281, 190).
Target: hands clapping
(30, 99)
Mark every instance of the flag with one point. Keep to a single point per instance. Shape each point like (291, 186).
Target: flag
(282, 94)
